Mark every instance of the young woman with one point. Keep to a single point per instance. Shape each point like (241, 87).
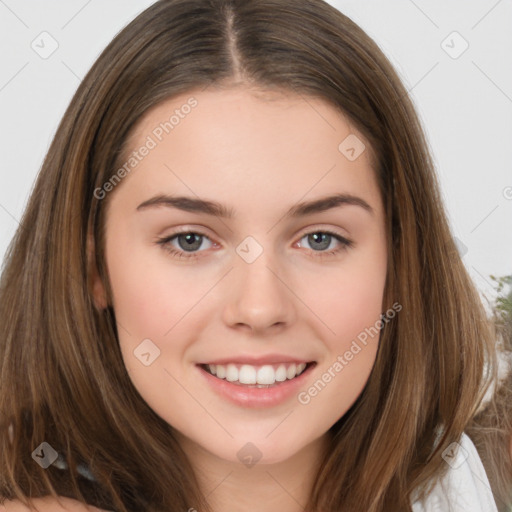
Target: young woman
(234, 286)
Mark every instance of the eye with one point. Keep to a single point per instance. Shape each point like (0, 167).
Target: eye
(188, 243)
(321, 240)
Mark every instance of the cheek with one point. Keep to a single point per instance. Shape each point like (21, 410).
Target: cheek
(351, 309)
(150, 298)
(149, 295)
(349, 300)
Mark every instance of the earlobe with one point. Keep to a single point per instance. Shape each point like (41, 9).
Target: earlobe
(96, 287)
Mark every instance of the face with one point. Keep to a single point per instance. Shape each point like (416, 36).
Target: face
(214, 256)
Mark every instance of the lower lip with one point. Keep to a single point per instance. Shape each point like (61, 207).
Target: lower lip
(257, 397)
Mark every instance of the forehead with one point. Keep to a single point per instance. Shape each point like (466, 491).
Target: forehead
(246, 141)
(247, 118)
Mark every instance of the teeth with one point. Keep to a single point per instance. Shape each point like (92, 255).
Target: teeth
(263, 375)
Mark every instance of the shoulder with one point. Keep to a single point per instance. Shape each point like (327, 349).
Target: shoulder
(465, 487)
(49, 504)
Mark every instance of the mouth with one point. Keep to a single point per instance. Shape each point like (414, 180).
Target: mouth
(261, 376)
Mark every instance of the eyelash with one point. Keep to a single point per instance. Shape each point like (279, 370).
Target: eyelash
(165, 244)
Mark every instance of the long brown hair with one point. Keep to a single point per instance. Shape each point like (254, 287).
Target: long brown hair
(63, 380)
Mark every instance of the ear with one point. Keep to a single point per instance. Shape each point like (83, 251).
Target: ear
(96, 286)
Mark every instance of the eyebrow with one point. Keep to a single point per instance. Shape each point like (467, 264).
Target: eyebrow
(196, 205)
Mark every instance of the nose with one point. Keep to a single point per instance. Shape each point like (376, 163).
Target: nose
(259, 296)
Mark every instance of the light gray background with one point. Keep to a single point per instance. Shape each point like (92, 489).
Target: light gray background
(465, 103)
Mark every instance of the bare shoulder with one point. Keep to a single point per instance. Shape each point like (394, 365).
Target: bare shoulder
(49, 504)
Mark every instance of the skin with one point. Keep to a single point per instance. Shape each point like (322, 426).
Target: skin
(258, 154)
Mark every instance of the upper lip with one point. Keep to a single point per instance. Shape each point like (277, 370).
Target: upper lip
(257, 360)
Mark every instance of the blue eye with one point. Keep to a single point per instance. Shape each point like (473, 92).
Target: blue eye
(324, 239)
(190, 241)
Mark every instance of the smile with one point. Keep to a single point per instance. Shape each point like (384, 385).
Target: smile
(256, 386)
(246, 374)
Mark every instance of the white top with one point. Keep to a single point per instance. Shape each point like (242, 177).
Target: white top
(465, 487)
